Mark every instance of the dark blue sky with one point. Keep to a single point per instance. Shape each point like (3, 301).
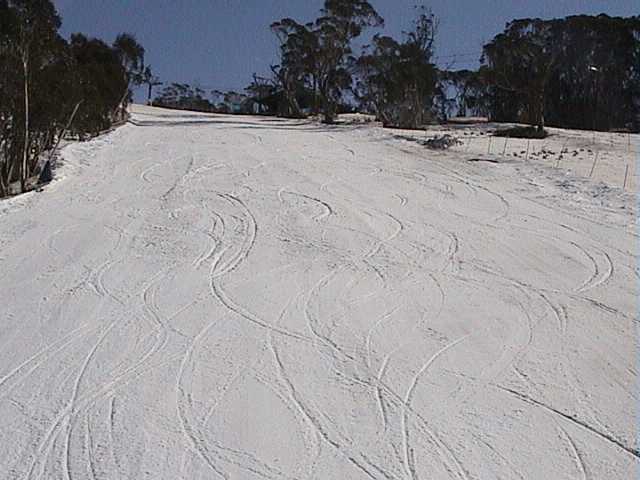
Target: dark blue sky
(220, 43)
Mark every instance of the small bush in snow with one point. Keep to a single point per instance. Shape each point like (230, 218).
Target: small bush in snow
(522, 132)
(442, 142)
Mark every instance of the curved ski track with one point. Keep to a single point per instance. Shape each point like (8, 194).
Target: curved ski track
(249, 298)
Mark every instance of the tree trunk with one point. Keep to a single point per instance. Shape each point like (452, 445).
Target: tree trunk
(329, 114)
(293, 107)
(3, 187)
(328, 107)
(418, 109)
(540, 112)
(123, 102)
(25, 152)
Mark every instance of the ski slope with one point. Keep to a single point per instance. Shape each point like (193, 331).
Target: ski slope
(225, 297)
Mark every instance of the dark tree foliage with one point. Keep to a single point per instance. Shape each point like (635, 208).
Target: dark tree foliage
(150, 80)
(30, 54)
(11, 105)
(298, 56)
(342, 21)
(131, 56)
(100, 84)
(598, 84)
(521, 61)
(462, 93)
(266, 97)
(397, 80)
(264, 94)
(236, 102)
(182, 96)
(257, 100)
(45, 82)
(576, 72)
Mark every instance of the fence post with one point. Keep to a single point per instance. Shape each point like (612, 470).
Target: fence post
(626, 174)
(593, 167)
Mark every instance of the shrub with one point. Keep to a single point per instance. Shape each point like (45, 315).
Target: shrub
(522, 132)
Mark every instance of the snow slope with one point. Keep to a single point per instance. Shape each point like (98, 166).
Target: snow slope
(204, 297)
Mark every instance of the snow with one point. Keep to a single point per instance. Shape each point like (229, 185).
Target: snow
(208, 296)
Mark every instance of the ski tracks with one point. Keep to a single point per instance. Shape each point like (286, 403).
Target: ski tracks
(345, 275)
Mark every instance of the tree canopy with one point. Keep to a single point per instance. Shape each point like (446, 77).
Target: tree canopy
(576, 72)
(315, 55)
(397, 80)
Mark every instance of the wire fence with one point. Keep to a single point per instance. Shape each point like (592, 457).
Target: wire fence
(608, 157)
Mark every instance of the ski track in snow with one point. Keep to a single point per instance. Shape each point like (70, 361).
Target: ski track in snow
(210, 296)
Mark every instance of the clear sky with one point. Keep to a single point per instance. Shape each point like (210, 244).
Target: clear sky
(221, 43)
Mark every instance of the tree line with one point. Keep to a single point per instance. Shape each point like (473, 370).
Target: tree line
(577, 72)
(318, 72)
(50, 86)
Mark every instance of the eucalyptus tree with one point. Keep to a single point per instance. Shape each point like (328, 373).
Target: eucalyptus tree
(520, 62)
(576, 72)
(49, 85)
(183, 96)
(315, 55)
(598, 84)
(30, 49)
(341, 22)
(131, 55)
(150, 80)
(398, 80)
(101, 81)
(297, 49)
(264, 92)
(465, 92)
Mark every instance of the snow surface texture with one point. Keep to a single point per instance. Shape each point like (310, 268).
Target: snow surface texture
(204, 297)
